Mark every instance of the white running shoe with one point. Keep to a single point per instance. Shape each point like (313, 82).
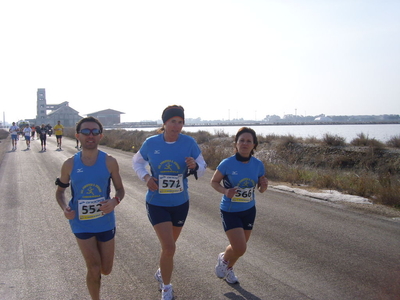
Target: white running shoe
(231, 277)
(167, 293)
(221, 267)
(158, 277)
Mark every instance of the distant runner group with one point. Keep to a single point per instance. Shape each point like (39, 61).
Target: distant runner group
(28, 132)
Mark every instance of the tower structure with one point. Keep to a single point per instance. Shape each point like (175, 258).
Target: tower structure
(41, 109)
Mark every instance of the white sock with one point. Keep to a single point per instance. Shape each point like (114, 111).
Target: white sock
(167, 286)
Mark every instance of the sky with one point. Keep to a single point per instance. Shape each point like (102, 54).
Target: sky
(219, 59)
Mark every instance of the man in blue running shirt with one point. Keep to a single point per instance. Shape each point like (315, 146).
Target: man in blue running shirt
(90, 211)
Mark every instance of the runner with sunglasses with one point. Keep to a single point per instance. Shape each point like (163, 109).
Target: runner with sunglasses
(172, 156)
(90, 211)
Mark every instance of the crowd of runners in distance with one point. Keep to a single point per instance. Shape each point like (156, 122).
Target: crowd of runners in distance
(29, 131)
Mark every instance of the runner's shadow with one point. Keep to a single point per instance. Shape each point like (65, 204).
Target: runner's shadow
(244, 294)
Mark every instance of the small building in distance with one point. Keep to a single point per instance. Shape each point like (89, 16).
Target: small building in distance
(51, 113)
(107, 117)
(62, 112)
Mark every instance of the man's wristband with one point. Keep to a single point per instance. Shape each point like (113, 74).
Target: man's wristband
(117, 198)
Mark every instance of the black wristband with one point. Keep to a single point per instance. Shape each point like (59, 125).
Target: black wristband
(60, 184)
(193, 171)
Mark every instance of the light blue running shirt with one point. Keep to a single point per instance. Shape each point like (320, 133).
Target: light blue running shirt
(89, 186)
(245, 177)
(167, 164)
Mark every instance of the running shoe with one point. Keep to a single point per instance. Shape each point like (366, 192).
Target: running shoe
(158, 277)
(167, 293)
(231, 277)
(221, 267)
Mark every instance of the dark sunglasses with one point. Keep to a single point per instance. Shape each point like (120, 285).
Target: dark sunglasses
(93, 131)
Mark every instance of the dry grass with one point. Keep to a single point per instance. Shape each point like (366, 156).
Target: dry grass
(394, 142)
(365, 167)
(3, 134)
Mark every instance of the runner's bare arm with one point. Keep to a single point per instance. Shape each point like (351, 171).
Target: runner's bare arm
(60, 192)
(113, 168)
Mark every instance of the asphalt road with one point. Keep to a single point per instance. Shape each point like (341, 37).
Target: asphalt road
(301, 248)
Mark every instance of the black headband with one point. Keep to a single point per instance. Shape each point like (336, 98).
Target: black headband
(174, 111)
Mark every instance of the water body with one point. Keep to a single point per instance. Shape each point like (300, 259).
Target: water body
(381, 132)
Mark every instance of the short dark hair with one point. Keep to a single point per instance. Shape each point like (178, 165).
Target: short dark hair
(247, 130)
(88, 119)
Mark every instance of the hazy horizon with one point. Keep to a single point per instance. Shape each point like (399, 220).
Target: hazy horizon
(219, 59)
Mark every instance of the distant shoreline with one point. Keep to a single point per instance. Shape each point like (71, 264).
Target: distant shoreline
(138, 125)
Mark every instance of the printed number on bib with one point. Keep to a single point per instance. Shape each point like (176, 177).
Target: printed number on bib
(170, 184)
(90, 209)
(243, 195)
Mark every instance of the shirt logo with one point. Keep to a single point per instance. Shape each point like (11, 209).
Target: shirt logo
(234, 172)
(157, 151)
(79, 170)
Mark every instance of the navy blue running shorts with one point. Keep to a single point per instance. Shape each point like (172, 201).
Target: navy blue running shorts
(104, 236)
(175, 214)
(241, 219)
